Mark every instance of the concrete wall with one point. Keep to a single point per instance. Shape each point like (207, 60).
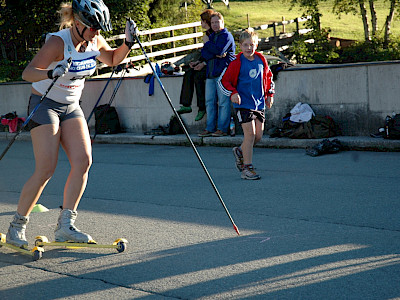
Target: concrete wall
(356, 96)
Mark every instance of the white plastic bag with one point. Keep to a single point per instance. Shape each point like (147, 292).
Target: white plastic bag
(301, 113)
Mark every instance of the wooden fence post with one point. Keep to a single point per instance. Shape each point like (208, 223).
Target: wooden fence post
(275, 35)
(172, 34)
(196, 39)
(151, 47)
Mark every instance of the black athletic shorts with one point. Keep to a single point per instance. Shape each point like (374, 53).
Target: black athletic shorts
(245, 115)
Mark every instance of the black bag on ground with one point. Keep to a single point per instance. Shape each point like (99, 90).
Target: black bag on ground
(325, 147)
(174, 126)
(392, 127)
(107, 121)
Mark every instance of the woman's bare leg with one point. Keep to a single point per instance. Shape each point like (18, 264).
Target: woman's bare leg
(46, 143)
(75, 140)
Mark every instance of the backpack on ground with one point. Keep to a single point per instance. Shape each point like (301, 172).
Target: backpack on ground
(174, 126)
(318, 127)
(392, 127)
(107, 121)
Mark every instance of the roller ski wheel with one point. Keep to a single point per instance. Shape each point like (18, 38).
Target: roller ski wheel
(36, 253)
(119, 244)
(40, 240)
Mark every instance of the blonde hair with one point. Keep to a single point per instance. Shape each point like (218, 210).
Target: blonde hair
(218, 15)
(66, 15)
(248, 33)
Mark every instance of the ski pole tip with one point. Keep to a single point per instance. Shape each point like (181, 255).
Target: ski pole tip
(236, 229)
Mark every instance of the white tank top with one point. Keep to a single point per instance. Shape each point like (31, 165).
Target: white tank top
(68, 88)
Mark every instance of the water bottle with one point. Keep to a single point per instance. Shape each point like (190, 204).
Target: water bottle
(387, 121)
(232, 127)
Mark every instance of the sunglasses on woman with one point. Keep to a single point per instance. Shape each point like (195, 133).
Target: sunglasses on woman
(92, 29)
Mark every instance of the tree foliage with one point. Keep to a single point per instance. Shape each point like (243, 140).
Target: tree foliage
(24, 23)
(373, 50)
(313, 47)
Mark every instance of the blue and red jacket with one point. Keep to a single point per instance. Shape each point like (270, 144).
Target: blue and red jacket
(229, 78)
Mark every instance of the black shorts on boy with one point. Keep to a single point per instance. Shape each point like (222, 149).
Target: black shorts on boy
(245, 115)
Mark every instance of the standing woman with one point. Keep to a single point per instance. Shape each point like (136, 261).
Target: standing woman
(59, 120)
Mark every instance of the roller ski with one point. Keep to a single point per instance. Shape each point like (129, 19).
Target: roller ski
(36, 253)
(67, 235)
(16, 240)
(118, 244)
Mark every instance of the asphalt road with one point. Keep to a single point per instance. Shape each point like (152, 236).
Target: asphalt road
(325, 227)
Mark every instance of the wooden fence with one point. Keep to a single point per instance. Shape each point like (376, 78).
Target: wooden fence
(277, 40)
(195, 44)
(282, 38)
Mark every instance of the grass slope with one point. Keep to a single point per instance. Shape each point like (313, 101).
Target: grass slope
(265, 12)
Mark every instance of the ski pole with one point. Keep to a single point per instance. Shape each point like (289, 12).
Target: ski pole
(184, 130)
(101, 95)
(124, 70)
(31, 114)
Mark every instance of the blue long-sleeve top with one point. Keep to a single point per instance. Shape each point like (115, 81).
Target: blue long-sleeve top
(220, 42)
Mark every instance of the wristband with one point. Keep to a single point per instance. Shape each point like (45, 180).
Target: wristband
(50, 74)
(129, 44)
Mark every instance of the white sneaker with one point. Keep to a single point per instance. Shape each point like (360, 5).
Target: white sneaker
(16, 231)
(66, 230)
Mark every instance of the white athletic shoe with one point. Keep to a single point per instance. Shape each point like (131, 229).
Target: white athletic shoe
(66, 230)
(16, 231)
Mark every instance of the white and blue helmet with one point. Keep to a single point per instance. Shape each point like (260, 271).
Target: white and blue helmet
(92, 13)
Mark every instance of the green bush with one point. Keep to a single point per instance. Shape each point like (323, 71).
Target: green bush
(12, 70)
(313, 47)
(321, 51)
(375, 50)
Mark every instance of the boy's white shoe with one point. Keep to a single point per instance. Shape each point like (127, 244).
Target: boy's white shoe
(66, 230)
(249, 173)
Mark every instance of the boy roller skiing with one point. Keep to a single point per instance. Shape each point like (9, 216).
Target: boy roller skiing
(248, 82)
(67, 57)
